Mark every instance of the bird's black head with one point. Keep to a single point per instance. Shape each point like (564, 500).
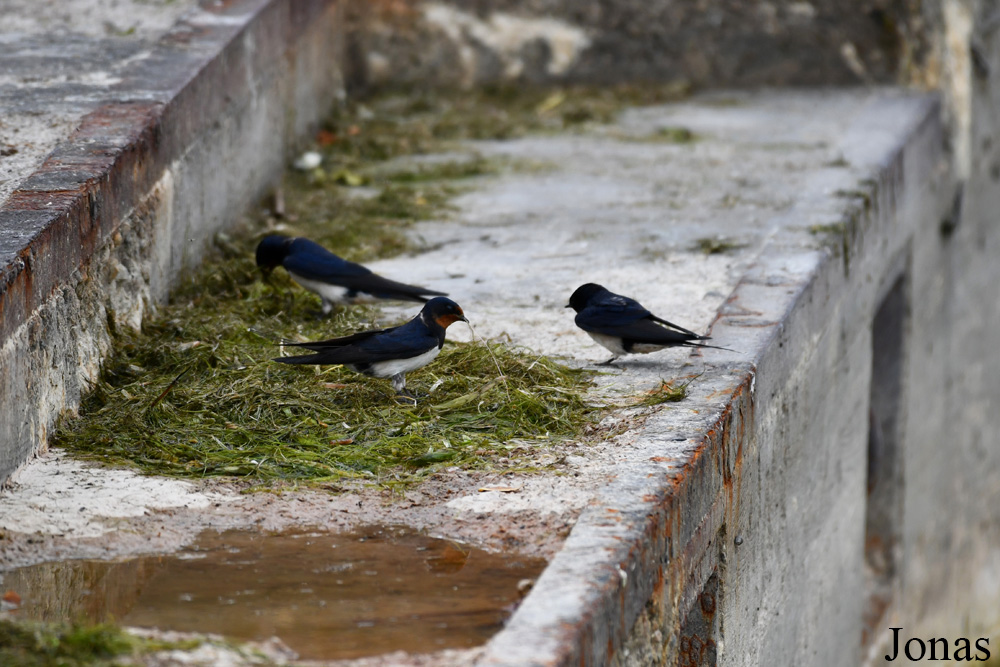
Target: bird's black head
(271, 251)
(443, 311)
(581, 297)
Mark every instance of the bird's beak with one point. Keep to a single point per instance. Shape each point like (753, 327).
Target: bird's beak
(450, 318)
(567, 306)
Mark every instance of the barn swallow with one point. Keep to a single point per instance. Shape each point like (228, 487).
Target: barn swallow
(333, 278)
(388, 353)
(623, 326)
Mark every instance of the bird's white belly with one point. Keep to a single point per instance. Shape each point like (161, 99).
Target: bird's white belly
(332, 293)
(384, 369)
(612, 343)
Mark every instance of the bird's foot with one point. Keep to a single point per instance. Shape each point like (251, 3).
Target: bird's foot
(609, 362)
(405, 397)
(323, 313)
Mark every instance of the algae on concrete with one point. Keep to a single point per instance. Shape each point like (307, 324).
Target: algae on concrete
(669, 391)
(833, 229)
(31, 644)
(26, 643)
(717, 245)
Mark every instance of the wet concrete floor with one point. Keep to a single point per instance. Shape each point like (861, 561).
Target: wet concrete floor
(326, 596)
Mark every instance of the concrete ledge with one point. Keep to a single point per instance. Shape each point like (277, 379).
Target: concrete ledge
(170, 153)
(756, 512)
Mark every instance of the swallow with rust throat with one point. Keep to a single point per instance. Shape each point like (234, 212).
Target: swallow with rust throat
(623, 326)
(333, 278)
(388, 353)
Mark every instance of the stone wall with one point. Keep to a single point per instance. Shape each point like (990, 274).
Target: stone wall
(950, 537)
(173, 150)
(705, 44)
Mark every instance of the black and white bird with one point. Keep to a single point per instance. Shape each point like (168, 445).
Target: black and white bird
(624, 326)
(334, 279)
(388, 353)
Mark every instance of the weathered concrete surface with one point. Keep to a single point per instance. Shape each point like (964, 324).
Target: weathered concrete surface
(174, 136)
(58, 62)
(949, 558)
(714, 44)
(46, 505)
(775, 459)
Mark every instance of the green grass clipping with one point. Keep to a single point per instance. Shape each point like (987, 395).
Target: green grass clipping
(196, 392)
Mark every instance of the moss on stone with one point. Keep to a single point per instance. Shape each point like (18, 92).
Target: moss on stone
(717, 245)
(32, 644)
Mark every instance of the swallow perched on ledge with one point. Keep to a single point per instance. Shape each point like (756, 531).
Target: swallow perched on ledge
(333, 278)
(623, 326)
(388, 353)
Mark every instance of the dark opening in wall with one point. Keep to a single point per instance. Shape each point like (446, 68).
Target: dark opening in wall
(884, 509)
(700, 628)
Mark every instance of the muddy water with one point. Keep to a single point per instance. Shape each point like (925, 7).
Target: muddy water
(326, 596)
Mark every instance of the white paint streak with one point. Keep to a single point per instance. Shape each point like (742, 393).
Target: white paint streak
(506, 35)
(958, 78)
(61, 496)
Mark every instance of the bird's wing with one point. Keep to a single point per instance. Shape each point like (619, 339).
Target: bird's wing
(616, 305)
(343, 341)
(401, 342)
(610, 313)
(617, 310)
(376, 285)
(315, 262)
(627, 326)
(674, 326)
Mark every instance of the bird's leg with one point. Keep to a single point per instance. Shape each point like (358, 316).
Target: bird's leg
(609, 362)
(325, 309)
(399, 384)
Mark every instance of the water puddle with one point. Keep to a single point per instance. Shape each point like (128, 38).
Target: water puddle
(327, 596)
